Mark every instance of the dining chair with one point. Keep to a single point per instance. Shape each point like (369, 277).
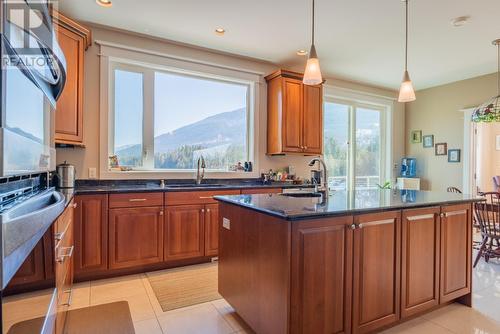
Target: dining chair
(453, 190)
(488, 218)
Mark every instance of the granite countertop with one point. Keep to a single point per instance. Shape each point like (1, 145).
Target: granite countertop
(341, 203)
(124, 186)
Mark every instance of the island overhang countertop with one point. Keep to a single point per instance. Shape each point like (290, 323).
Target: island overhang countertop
(341, 203)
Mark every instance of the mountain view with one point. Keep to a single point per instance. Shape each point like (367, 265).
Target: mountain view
(221, 139)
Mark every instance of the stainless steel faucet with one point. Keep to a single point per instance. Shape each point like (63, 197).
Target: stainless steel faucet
(324, 182)
(201, 164)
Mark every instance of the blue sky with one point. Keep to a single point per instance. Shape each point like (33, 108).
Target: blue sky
(179, 101)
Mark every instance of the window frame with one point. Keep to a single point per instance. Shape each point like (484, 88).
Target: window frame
(354, 101)
(110, 62)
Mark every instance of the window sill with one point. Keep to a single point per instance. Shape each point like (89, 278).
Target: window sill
(147, 174)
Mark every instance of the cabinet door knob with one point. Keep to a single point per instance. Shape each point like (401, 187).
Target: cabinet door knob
(208, 210)
(75, 205)
(161, 213)
(305, 147)
(352, 226)
(202, 210)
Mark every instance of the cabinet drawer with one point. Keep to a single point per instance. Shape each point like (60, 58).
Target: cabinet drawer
(131, 200)
(196, 197)
(64, 219)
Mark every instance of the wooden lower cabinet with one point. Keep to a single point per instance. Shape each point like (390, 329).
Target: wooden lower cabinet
(456, 251)
(184, 232)
(211, 229)
(32, 270)
(321, 276)
(91, 234)
(420, 260)
(135, 236)
(376, 277)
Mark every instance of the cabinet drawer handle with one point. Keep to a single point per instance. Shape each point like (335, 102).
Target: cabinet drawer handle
(70, 298)
(137, 200)
(206, 197)
(66, 253)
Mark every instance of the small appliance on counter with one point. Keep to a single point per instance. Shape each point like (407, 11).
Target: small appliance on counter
(65, 174)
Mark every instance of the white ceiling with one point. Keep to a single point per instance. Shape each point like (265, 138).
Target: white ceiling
(358, 40)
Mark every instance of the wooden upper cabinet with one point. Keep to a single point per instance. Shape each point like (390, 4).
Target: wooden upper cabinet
(74, 39)
(420, 264)
(294, 115)
(321, 276)
(376, 278)
(91, 233)
(456, 245)
(312, 138)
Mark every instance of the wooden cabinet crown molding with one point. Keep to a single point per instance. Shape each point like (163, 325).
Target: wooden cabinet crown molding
(73, 26)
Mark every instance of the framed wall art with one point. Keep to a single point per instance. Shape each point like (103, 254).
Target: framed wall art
(441, 149)
(428, 141)
(454, 155)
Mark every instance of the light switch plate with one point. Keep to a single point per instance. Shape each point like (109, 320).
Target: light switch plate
(92, 173)
(226, 223)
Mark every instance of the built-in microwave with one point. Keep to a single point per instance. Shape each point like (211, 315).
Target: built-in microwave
(33, 74)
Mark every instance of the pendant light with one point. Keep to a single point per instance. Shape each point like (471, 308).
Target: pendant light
(312, 74)
(490, 111)
(406, 91)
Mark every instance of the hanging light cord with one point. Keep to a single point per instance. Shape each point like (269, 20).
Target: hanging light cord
(498, 67)
(312, 23)
(406, 39)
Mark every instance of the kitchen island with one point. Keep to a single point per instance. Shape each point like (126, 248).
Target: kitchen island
(356, 262)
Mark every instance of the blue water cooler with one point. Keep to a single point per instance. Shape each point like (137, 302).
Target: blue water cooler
(408, 167)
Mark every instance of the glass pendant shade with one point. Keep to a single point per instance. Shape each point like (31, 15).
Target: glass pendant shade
(488, 112)
(312, 74)
(406, 91)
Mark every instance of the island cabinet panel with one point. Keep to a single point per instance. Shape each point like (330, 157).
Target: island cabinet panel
(254, 267)
(420, 260)
(321, 276)
(456, 251)
(135, 236)
(184, 232)
(211, 229)
(376, 278)
(91, 234)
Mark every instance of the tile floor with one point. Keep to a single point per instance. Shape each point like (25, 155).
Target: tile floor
(219, 317)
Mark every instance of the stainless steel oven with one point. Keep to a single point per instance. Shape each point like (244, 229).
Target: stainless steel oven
(32, 78)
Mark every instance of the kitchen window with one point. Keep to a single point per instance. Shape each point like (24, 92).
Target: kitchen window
(166, 119)
(354, 144)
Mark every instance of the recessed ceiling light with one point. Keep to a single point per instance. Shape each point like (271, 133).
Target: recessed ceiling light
(460, 21)
(302, 52)
(220, 31)
(104, 3)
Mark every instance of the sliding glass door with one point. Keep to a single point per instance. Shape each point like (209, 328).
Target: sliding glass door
(354, 153)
